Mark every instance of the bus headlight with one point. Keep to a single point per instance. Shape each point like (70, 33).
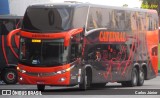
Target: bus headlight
(60, 72)
(65, 70)
(21, 70)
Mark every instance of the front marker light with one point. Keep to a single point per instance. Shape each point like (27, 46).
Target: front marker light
(68, 69)
(18, 68)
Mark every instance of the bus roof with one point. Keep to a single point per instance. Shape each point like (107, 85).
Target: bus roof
(76, 5)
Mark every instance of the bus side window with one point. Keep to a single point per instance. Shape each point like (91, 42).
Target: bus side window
(4, 30)
(155, 51)
(76, 46)
(0, 27)
(74, 51)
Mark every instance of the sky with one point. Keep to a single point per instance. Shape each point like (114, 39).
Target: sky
(130, 3)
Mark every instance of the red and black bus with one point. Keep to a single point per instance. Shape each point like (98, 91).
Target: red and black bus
(8, 56)
(87, 45)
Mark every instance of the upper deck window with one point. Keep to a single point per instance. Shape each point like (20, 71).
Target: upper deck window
(47, 19)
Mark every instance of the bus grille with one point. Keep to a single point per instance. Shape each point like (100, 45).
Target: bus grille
(40, 74)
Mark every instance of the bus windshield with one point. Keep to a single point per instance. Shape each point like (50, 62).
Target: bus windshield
(41, 20)
(43, 53)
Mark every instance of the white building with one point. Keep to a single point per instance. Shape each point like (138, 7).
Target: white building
(18, 7)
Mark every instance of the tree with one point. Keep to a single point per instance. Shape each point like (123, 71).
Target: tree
(125, 5)
(151, 4)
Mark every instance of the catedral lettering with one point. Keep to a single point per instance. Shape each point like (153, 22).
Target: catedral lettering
(60, 46)
(112, 36)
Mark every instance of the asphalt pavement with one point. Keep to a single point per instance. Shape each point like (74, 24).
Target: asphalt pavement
(112, 90)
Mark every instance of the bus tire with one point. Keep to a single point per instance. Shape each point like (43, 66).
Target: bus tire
(134, 78)
(40, 87)
(10, 76)
(141, 77)
(86, 81)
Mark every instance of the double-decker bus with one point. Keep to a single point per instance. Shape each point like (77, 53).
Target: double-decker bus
(87, 45)
(9, 56)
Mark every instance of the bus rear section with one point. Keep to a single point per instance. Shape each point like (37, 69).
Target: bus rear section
(59, 49)
(122, 46)
(9, 58)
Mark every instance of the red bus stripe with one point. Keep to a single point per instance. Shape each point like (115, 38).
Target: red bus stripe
(4, 51)
(9, 39)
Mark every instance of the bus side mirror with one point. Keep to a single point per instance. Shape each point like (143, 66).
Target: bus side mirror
(9, 40)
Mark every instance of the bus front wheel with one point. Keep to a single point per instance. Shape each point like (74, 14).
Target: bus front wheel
(86, 81)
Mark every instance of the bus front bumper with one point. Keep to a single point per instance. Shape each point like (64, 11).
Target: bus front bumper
(60, 79)
(48, 76)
